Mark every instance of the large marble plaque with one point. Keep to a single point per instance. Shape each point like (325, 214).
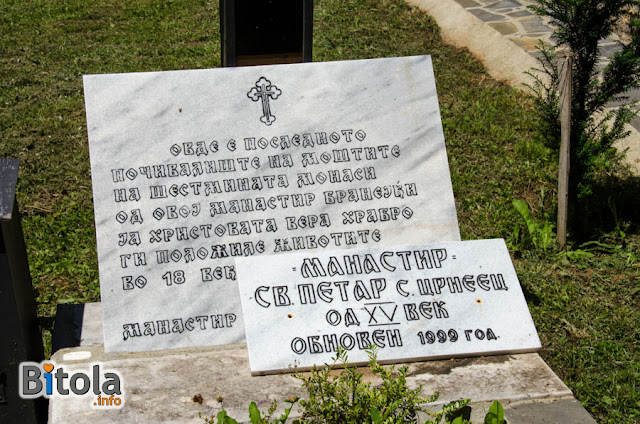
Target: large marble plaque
(413, 303)
(192, 169)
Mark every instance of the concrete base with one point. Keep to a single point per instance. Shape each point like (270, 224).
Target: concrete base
(161, 386)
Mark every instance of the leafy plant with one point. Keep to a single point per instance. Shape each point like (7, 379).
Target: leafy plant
(254, 415)
(495, 414)
(223, 418)
(580, 25)
(540, 233)
(345, 398)
(575, 255)
(456, 412)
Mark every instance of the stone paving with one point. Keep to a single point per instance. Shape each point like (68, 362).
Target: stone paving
(514, 20)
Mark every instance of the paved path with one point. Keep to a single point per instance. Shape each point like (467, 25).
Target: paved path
(503, 34)
(514, 20)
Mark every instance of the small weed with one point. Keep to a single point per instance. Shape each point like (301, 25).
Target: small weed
(346, 399)
(539, 233)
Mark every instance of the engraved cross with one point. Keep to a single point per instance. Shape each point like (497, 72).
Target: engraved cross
(265, 91)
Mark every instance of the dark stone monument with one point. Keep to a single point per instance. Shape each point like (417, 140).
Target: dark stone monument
(262, 32)
(20, 338)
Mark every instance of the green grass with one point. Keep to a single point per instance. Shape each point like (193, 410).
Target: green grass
(586, 311)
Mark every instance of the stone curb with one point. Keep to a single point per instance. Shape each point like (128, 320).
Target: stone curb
(504, 60)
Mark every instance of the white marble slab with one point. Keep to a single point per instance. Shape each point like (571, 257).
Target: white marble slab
(413, 302)
(193, 168)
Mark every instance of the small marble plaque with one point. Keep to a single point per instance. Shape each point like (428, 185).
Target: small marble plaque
(192, 169)
(413, 302)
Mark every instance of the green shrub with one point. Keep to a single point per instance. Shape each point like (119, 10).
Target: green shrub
(580, 25)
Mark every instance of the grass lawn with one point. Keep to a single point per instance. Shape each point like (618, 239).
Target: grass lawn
(586, 308)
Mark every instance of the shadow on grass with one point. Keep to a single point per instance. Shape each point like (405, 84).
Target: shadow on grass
(531, 297)
(614, 206)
